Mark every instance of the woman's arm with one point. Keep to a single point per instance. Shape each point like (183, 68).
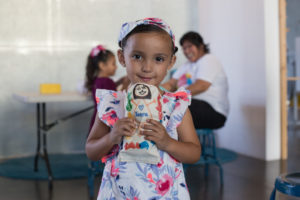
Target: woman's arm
(170, 85)
(187, 149)
(198, 87)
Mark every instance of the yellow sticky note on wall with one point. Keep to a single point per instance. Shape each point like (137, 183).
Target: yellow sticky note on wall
(50, 88)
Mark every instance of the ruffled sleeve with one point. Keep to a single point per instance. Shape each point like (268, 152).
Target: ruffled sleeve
(180, 100)
(109, 106)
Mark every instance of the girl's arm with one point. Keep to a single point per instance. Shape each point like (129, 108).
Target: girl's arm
(187, 149)
(101, 138)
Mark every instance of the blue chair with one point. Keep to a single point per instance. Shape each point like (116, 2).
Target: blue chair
(95, 169)
(288, 187)
(209, 152)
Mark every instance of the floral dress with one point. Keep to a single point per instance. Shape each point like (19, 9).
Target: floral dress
(141, 181)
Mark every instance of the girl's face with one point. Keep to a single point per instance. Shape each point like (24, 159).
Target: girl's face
(191, 51)
(147, 57)
(109, 67)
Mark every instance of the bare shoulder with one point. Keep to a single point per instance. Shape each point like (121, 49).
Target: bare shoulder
(99, 129)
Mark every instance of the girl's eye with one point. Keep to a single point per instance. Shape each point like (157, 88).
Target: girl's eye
(137, 57)
(159, 59)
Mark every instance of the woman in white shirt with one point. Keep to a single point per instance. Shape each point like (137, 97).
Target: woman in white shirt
(204, 76)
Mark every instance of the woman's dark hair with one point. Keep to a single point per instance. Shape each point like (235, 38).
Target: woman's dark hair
(196, 39)
(145, 28)
(92, 69)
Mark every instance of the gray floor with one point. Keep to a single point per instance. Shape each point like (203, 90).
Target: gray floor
(246, 179)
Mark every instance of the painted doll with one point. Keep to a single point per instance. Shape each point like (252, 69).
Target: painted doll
(143, 102)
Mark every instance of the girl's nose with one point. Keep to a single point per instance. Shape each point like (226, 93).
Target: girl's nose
(146, 67)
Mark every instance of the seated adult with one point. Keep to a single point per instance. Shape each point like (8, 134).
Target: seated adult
(204, 76)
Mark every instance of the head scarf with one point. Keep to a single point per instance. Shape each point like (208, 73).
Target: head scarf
(129, 26)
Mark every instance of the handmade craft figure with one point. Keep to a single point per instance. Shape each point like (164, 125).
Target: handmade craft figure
(143, 102)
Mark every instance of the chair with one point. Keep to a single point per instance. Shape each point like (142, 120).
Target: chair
(209, 152)
(95, 168)
(288, 187)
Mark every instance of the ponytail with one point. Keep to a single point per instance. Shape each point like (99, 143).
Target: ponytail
(97, 55)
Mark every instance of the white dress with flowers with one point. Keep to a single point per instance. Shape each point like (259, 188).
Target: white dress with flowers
(140, 181)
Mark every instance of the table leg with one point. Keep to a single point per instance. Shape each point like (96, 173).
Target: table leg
(50, 177)
(38, 117)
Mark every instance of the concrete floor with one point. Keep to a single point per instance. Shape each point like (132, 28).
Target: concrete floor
(244, 179)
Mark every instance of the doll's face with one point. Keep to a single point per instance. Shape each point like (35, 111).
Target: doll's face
(141, 91)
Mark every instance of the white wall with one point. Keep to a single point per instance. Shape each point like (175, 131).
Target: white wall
(238, 33)
(48, 41)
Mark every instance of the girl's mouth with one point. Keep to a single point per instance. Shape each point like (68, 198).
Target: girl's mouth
(145, 79)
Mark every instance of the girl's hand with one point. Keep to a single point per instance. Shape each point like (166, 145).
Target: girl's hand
(122, 127)
(156, 132)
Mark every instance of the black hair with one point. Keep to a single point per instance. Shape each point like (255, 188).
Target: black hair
(92, 68)
(196, 39)
(145, 28)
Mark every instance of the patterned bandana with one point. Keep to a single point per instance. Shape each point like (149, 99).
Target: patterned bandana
(96, 50)
(129, 26)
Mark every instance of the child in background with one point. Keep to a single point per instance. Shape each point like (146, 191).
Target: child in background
(101, 64)
(147, 52)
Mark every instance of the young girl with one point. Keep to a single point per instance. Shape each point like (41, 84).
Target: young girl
(147, 52)
(101, 64)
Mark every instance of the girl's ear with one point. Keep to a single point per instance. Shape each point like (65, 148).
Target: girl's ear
(121, 57)
(173, 60)
(101, 66)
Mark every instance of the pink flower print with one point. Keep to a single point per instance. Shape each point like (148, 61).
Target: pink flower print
(159, 107)
(160, 163)
(112, 152)
(114, 171)
(165, 100)
(153, 19)
(110, 118)
(97, 100)
(150, 179)
(115, 94)
(174, 159)
(164, 185)
(177, 104)
(179, 95)
(177, 172)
